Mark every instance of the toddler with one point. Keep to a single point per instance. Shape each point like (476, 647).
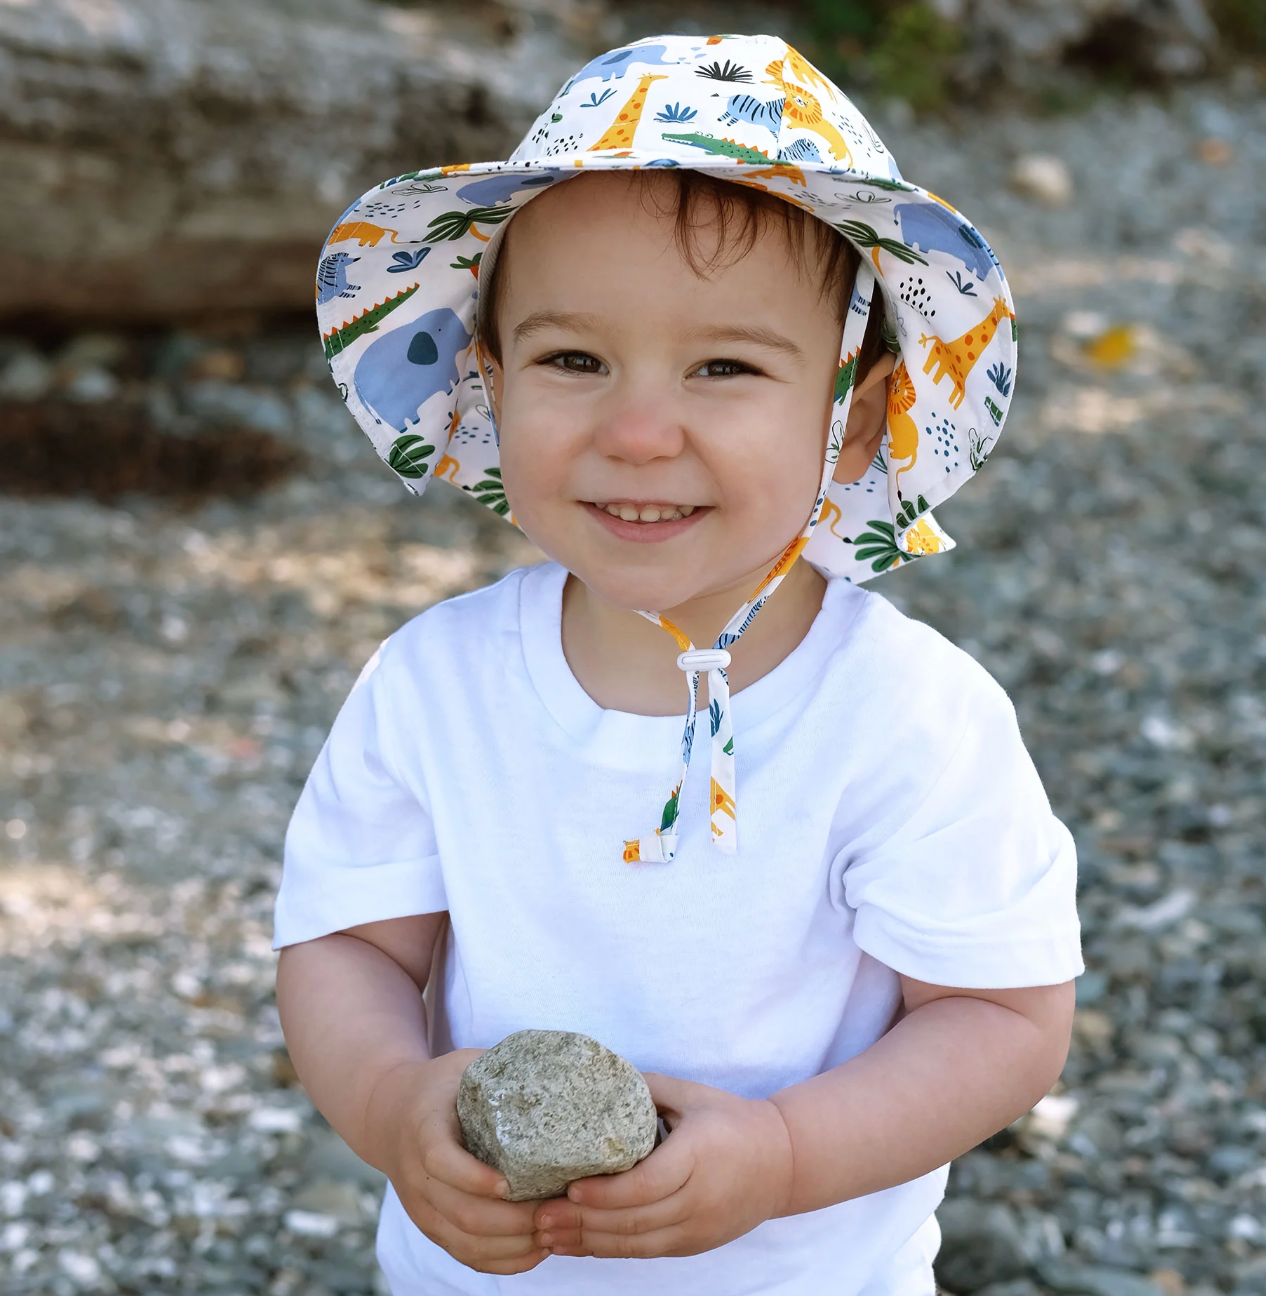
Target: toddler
(702, 342)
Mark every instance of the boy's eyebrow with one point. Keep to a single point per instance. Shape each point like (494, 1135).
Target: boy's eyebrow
(748, 333)
(580, 322)
(538, 321)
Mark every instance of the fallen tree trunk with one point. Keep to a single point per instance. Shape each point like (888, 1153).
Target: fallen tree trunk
(163, 160)
(169, 159)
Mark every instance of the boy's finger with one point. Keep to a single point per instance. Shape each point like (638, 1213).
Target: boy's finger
(576, 1228)
(480, 1217)
(505, 1268)
(658, 1176)
(477, 1252)
(451, 1164)
(673, 1240)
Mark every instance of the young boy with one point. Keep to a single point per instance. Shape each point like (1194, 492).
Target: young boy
(845, 955)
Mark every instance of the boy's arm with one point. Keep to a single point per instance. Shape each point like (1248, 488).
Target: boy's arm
(957, 1067)
(352, 1011)
(351, 1008)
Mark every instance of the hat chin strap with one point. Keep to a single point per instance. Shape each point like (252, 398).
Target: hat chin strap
(661, 845)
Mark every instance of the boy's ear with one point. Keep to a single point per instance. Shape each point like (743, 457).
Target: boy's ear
(867, 421)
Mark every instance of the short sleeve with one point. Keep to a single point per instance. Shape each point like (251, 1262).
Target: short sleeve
(360, 846)
(977, 886)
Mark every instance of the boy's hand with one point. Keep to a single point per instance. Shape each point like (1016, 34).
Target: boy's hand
(453, 1198)
(724, 1168)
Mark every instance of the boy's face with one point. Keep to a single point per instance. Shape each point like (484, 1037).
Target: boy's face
(662, 434)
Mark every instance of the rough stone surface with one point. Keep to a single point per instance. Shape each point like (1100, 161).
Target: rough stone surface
(547, 1107)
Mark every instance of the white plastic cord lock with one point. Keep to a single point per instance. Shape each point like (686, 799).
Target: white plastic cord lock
(703, 659)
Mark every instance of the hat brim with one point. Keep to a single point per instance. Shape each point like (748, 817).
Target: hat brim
(397, 294)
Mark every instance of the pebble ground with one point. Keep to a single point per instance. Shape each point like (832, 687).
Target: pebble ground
(168, 671)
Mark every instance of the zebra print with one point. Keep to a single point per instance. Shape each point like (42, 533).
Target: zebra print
(332, 277)
(800, 150)
(760, 112)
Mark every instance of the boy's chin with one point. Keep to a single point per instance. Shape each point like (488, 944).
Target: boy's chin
(643, 592)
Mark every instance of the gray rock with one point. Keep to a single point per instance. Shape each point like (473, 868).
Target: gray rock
(1044, 178)
(1014, 1287)
(547, 1107)
(1096, 1280)
(1013, 38)
(27, 376)
(980, 1245)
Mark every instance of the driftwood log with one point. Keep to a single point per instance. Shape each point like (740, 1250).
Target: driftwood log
(165, 160)
(168, 159)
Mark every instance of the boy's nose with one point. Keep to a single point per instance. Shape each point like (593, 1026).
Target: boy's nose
(639, 433)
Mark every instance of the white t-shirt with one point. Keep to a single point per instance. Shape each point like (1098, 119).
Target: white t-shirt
(891, 821)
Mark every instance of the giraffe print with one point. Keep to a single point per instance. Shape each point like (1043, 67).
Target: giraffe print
(958, 358)
(619, 135)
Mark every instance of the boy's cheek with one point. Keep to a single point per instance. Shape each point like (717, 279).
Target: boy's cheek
(539, 499)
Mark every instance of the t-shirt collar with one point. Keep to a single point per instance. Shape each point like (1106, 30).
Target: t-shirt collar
(623, 738)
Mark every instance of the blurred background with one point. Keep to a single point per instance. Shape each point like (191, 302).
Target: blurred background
(199, 551)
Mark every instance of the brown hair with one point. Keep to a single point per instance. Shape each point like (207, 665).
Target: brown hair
(734, 216)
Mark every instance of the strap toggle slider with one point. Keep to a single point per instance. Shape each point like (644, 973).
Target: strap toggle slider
(703, 659)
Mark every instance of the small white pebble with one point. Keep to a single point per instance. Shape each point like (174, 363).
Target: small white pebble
(13, 1236)
(1043, 177)
(276, 1120)
(83, 1269)
(310, 1224)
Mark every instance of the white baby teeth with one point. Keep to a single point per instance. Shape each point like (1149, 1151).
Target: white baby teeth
(649, 513)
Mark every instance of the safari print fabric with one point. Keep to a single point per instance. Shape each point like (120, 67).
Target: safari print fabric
(398, 283)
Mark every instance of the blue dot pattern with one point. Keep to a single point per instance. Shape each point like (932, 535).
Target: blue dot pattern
(944, 435)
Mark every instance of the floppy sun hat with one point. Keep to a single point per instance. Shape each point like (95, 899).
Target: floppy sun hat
(398, 292)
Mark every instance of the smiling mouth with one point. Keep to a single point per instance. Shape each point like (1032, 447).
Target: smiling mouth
(630, 512)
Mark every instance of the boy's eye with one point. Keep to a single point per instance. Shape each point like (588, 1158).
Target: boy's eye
(579, 362)
(723, 369)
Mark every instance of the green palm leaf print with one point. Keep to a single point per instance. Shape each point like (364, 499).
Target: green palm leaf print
(864, 236)
(456, 224)
(409, 454)
(879, 544)
(670, 811)
(491, 492)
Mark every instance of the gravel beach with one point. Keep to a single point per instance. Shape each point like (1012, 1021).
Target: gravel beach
(169, 667)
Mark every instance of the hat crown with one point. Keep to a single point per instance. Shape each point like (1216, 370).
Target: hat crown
(398, 286)
(705, 101)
